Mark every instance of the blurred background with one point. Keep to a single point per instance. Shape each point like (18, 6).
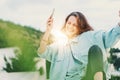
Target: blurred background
(23, 22)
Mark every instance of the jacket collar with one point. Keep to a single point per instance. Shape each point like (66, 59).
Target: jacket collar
(74, 40)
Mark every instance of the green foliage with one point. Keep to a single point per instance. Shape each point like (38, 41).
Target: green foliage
(115, 78)
(18, 63)
(26, 39)
(113, 57)
(8, 67)
(41, 70)
(48, 68)
(114, 50)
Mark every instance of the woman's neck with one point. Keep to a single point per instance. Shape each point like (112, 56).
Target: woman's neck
(72, 37)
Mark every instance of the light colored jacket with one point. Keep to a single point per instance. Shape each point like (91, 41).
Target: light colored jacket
(58, 54)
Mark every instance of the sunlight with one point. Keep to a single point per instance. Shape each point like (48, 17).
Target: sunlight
(60, 37)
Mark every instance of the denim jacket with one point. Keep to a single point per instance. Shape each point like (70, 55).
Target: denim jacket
(58, 54)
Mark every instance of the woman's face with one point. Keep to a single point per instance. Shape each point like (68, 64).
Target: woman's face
(71, 28)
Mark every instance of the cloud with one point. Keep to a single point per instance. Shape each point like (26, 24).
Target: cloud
(15, 4)
(2, 2)
(36, 12)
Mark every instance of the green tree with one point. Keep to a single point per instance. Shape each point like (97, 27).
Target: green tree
(23, 37)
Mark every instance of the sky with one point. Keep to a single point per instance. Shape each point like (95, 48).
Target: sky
(101, 14)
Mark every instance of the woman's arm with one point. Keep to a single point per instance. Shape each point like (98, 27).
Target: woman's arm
(44, 40)
(110, 38)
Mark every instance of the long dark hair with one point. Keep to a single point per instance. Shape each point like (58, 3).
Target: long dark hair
(81, 20)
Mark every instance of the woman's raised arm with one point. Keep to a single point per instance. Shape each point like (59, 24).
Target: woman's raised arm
(44, 40)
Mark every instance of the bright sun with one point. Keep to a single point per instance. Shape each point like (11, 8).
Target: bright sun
(59, 36)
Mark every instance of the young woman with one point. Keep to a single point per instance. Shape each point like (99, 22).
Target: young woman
(83, 57)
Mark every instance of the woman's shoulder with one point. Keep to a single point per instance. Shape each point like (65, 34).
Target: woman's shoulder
(93, 32)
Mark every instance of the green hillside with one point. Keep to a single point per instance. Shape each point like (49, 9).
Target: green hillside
(25, 38)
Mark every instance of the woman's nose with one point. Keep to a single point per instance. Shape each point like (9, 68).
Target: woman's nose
(70, 26)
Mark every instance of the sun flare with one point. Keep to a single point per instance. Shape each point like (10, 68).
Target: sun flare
(60, 37)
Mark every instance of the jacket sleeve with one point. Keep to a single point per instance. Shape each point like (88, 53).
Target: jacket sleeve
(111, 37)
(49, 52)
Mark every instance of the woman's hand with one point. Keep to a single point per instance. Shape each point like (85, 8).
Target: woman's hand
(49, 24)
(45, 38)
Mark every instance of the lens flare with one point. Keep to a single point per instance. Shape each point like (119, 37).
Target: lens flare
(60, 37)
